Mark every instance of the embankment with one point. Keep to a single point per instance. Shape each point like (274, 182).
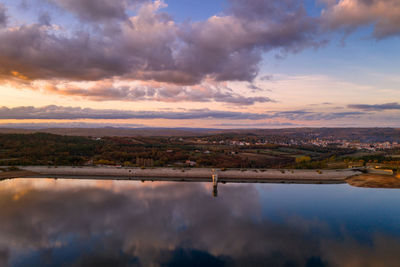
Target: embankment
(195, 174)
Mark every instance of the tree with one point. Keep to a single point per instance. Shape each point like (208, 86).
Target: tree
(303, 159)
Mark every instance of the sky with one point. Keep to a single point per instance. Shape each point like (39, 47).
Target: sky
(200, 63)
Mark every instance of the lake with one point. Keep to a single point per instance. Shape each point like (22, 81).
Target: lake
(49, 222)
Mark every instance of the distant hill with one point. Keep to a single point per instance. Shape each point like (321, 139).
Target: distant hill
(100, 132)
(356, 134)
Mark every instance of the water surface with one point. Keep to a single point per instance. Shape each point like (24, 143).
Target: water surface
(47, 222)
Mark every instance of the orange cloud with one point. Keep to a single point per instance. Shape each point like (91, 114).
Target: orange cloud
(19, 75)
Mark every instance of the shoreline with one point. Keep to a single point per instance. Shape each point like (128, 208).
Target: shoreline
(16, 174)
(373, 180)
(193, 174)
(289, 176)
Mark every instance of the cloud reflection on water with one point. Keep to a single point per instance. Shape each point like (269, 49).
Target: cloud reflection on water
(124, 223)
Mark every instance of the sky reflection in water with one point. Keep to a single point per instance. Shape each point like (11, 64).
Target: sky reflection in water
(46, 222)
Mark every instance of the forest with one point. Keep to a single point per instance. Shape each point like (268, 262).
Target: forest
(188, 151)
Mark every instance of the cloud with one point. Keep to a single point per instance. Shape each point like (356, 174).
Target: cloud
(263, 124)
(255, 88)
(205, 92)
(71, 113)
(140, 48)
(45, 19)
(42, 125)
(229, 46)
(376, 107)
(96, 10)
(317, 116)
(284, 24)
(3, 16)
(33, 52)
(134, 40)
(267, 77)
(384, 15)
(151, 46)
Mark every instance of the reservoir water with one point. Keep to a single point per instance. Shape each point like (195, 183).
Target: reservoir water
(49, 222)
